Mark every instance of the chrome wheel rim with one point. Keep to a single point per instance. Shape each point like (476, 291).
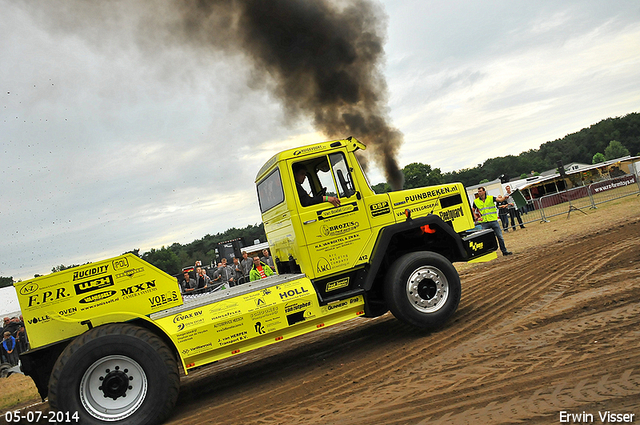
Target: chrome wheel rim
(427, 289)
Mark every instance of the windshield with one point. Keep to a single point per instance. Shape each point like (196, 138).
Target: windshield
(364, 173)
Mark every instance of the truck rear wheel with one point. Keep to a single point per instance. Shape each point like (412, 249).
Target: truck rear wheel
(113, 374)
(422, 289)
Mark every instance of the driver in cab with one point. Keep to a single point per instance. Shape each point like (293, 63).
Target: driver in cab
(300, 174)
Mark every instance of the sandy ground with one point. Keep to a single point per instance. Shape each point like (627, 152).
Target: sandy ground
(554, 328)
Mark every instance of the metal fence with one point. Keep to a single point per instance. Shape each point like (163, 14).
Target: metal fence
(579, 198)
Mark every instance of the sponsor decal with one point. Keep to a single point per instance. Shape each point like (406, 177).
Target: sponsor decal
(429, 194)
(46, 318)
(101, 303)
(297, 312)
(337, 305)
(129, 273)
(97, 297)
(227, 314)
(294, 307)
(68, 311)
(93, 271)
(190, 334)
(231, 339)
(293, 293)
(308, 150)
(47, 297)
(621, 182)
(323, 265)
(120, 263)
(138, 289)
(197, 348)
(337, 284)
(163, 299)
(338, 211)
(338, 229)
(476, 246)
(221, 307)
(228, 324)
(450, 215)
(93, 285)
(29, 288)
(36, 320)
(381, 208)
(418, 209)
(186, 316)
(185, 320)
(264, 312)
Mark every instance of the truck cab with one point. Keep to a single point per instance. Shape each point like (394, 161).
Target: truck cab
(346, 249)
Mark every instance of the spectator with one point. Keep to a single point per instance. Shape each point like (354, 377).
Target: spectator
(12, 325)
(188, 283)
(267, 259)
(202, 280)
(9, 345)
(225, 275)
(3, 353)
(237, 269)
(5, 323)
(503, 213)
(247, 264)
(22, 339)
(259, 270)
(486, 206)
(513, 210)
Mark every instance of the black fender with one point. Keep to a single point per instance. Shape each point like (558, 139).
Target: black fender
(413, 225)
(38, 364)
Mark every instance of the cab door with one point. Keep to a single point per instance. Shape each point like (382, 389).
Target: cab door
(335, 237)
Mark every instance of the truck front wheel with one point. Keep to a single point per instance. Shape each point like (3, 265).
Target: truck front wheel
(422, 289)
(113, 374)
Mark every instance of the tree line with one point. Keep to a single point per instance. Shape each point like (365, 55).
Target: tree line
(576, 147)
(173, 258)
(608, 139)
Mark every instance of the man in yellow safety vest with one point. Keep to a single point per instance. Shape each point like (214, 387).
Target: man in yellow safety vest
(486, 207)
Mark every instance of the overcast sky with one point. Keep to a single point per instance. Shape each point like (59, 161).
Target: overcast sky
(107, 147)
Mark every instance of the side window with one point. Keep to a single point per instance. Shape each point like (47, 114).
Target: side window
(326, 180)
(270, 191)
(342, 174)
(314, 180)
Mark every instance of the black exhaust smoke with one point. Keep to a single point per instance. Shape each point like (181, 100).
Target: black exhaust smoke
(322, 59)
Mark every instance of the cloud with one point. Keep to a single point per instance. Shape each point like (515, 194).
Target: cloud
(110, 142)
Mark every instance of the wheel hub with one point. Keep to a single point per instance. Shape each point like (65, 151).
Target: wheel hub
(427, 289)
(116, 383)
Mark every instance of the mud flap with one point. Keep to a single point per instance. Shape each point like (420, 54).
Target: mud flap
(479, 244)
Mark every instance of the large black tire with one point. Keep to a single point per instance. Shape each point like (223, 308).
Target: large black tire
(116, 374)
(422, 289)
(4, 369)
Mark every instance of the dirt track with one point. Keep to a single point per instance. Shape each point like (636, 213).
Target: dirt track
(555, 327)
(547, 330)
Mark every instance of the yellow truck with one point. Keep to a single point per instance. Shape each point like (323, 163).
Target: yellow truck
(110, 339)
